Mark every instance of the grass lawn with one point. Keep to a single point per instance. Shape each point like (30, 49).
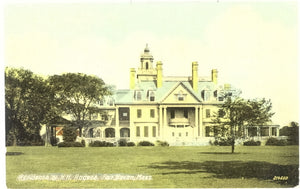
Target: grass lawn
(170, 167)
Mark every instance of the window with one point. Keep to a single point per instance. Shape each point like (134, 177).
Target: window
(221, 98)
(185, 113)
(138, 95)
(138, 132)
(146, 131)
(104, 117)
(173, 134)
(209, 131)
(152, 96)
(152, 113)
(101, 102)
(179, 134)
(147, 66)
(207, 113)
(221, 113)
(139, 113)
(172, 114)
(111, 102)
(180, 96)
(153, 131)
(215, 93)
(186, 134)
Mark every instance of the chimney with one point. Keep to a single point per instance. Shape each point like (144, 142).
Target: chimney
(132, 78)
(195, 76)
(159, 74)
(214, 76)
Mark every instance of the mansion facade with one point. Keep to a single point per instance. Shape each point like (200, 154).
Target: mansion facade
(178, 110)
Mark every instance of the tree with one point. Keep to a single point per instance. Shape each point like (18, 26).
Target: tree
(77, 94)
(27, 106)
(292, 131)
(239, 113)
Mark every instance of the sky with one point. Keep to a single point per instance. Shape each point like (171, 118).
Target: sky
(253, 45)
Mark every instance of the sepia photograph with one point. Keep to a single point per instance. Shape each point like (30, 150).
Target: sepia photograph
(151, 94)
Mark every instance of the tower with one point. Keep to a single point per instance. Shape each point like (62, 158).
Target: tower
(146, 72)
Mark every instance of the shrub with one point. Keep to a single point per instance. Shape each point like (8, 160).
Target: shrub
(145, 143)
(70, 144)
(252, 143)
(122, 142)
(69, 134)
(162, 143)
(223, 142)
(98, 143)
(130, 144)
(276, 142)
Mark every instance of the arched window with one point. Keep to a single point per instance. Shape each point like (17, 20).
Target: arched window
(147, 66)
(138, 95)
(152, 96)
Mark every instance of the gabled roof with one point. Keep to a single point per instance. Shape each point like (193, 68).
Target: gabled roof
(185, 85)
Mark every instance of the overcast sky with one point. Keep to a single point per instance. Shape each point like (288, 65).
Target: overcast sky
(253, 45)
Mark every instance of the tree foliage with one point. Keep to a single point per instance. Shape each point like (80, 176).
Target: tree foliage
(292, 131)
(27, 106)
(76, 94)
(240, 113)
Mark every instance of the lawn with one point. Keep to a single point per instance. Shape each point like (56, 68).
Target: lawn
(168, 167)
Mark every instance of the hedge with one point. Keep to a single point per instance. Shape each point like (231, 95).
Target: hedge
(252, 143)
(70, 144)
(276, 142)
(145, 143)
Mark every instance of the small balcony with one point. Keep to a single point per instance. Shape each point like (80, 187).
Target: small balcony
(179, 121)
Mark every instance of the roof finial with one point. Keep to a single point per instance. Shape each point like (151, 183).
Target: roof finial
(146, 48)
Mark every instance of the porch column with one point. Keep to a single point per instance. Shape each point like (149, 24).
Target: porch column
(165, 122)
(200, 128)
(270, 131)
(117, 129)
(277, 131)
(132, 130)
(160, 120)
(197, 119)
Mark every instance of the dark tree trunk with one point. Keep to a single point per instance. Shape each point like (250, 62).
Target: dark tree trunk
(232, 145)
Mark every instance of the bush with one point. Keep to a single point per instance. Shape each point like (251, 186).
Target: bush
(122, 142)
(252, 143)
(223, 142)
(130, 144)
(162, 143)
(98, 143)
(276, 142)
(69, 134)
(145, 143)
(70, 144)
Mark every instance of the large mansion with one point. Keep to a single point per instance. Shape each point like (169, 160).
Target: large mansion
(178, 110)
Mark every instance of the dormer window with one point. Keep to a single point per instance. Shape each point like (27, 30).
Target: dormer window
(206, 94)
(110, 102)
(215, 93)
(138, 95)
(152, 96)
